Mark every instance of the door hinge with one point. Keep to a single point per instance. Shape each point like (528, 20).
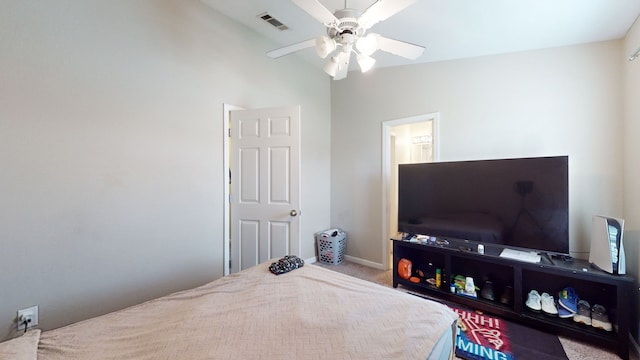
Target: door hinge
(229, 132)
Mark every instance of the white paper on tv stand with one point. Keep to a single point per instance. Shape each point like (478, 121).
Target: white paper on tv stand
(527, 256)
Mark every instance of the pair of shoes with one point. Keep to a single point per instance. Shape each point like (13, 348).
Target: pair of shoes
(544, 303)
(487, 291)
(584, 313)
(568, 299)
(599, 318)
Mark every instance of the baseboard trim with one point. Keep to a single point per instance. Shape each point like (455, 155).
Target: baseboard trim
(364, 262)
(352, 259)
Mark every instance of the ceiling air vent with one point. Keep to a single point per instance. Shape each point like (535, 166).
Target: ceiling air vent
(273, 21)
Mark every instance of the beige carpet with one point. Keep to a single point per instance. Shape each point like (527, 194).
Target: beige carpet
(574, 349)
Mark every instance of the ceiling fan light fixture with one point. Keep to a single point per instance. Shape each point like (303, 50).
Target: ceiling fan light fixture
(331, 66)
(365, 62)
(367, 45)
(347, 32)
(343, 56)
(324, 46)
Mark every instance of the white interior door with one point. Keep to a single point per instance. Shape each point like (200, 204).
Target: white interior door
(265, 185)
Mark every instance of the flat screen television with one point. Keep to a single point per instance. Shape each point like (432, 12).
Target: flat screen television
(522, 202)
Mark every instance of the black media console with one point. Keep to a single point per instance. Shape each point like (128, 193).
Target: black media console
(460, 257)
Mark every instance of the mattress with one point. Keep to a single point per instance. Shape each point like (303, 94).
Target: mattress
(308, 313)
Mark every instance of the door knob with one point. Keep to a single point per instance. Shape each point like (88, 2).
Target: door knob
(293, 213)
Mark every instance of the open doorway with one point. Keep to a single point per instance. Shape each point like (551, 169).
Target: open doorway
(405, 141)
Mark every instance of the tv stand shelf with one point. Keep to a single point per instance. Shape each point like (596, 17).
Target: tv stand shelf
(460, 257)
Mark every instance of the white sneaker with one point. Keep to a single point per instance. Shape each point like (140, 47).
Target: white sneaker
(548, 304)
(533, 301)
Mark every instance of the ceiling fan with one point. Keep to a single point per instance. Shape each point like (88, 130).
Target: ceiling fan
(346, 34)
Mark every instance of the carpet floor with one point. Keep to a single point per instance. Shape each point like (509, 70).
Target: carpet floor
(574, 349)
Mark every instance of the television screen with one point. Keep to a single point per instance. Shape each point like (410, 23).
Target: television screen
(521, 202)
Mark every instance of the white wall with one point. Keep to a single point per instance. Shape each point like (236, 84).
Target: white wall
(560, 101)
(111, 175)
(631, 80)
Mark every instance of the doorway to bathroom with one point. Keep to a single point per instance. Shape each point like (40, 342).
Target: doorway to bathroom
(405, 141)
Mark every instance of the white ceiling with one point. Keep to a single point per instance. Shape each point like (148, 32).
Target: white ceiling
(453, 29)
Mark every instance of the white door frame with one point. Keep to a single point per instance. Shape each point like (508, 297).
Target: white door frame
(226, 109)
(386, 168)
(226, 164)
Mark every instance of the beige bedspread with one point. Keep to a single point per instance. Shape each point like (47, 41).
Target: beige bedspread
(309, 313)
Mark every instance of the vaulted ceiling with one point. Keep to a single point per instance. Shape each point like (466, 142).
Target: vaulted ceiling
(452, 29)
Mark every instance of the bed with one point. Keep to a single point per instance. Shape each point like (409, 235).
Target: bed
(307, 313)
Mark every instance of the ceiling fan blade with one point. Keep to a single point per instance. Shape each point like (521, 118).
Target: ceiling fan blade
(317, 10)
(382, 10)
(274, 54)
(400, 48)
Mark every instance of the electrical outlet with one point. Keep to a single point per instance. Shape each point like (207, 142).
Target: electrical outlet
(28, 315)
